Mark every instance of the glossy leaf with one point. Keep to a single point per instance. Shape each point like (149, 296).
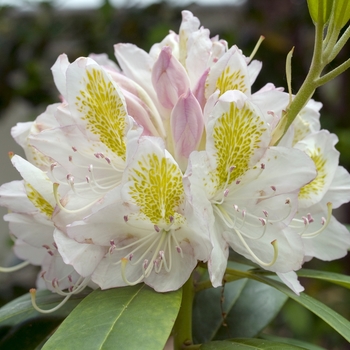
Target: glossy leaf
(21, 309)
(208, 308)
(336, 321)
(332, 277)
(125, 318)
(257, 305)
(291, 341)
(247, 344)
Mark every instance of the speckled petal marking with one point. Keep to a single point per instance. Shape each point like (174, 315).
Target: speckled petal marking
(103, 110)
(39, 201)
(316, 185)
(231, 80)
(157, 188)
(237, 135)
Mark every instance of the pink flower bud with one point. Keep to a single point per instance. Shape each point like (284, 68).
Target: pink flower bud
(187, 126)
(169, 78)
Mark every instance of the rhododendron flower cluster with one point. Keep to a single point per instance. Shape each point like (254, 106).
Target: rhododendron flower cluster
(165, 160)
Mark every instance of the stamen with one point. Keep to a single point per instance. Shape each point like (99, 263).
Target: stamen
(256, 48)
(37, 308)
(15, 268)
(265, 213)
(259, 261)
(58, 202)
(324, 223)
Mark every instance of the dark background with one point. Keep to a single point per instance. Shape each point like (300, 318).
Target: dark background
(31, 40)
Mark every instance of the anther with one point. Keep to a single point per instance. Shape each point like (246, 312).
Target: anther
(126, 219)
(178, 249)
(131, 256)
(156, 228)
(262, 165)
(238, 182)
(226, 192)
(310, 218)
(45, 246)
(263, 221)
(74, 149)
(70, 158)
(265, 213)
(273, 188)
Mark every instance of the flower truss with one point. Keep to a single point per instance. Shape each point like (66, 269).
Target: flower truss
(168, 159)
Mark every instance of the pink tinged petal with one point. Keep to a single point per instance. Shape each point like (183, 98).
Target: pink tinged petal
(84, 257)
(169, 78)
(141, 113)
(59, 74)
(171, 40)
(187, 126)
(290, 279)
(134, 92)
(199, 89)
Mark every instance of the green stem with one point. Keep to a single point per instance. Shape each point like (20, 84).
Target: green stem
(334, 73)
(307, 89)
(183, 324)
(340, 43)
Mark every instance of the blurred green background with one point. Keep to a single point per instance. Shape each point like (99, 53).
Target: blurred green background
(32, 38)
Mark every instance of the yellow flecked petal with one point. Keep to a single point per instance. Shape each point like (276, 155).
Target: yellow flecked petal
(157, 188)
(38, 200)
(316, 185)
(103, 110)
(231, 80)
(237, 135)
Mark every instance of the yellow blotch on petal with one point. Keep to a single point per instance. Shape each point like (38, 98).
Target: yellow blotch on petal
(231, 81)
(317, 184)
(104, 111)
(157, 188)
(39, 201)
(237, 135)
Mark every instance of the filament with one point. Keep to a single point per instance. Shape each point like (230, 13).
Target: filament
(15, 268)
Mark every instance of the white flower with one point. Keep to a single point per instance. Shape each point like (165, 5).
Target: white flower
(149, 232)
(239, 187)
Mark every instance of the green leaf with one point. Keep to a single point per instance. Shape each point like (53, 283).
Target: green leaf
(257, 305)
(247, 344)
(336, 321)
(21, 309)
(207, 313)
(290, 341)
(125, 318)
(314, 9)
(332, 277)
